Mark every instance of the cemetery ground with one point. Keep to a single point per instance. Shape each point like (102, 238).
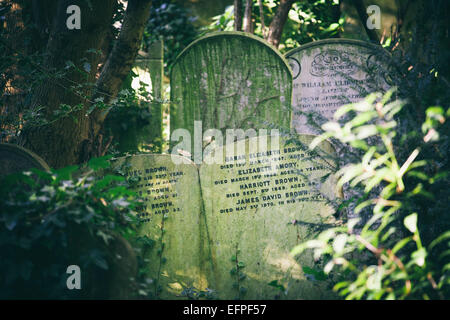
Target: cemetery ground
(274, 150)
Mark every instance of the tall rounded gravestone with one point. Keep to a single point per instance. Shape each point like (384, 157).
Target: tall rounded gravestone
(331, 73)
(14, 158)
(230, 80)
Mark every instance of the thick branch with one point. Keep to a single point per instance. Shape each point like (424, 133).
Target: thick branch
(278, 22)
(122, 56)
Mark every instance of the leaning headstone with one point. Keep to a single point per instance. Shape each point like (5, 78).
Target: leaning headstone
(331, 73)
(230, 80)
(172, 221)
(259, 204)
(14, 158)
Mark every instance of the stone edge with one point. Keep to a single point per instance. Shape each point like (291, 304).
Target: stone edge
(354, 42)
(28, 153)
(233, 33)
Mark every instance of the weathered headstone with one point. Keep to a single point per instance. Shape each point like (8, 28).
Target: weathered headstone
(14, 159)
(212, 225)
(331, 73)
(172, 220)
(258, 211)
(230, 80)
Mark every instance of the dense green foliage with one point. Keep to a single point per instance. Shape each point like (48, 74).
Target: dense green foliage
(396, 165)
(51, 220)
(308, 21)
(383, 259)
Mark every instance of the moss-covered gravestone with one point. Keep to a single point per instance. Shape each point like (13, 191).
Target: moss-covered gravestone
(331, 73)
(15, 159)
(229, 225)
(230, 80)
(172, 221)
(259, 205)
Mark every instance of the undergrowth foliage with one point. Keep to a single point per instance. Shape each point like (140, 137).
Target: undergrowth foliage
(388, 258)
(51, 220)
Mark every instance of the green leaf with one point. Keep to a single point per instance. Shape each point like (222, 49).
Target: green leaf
(65, 173)
(419, 256)
(339, 243)
(275, 284)
(99, 163)
(410, 222)
(439, 239)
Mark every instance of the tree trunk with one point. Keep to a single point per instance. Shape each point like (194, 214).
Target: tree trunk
(361, 9)
(70, 139)
(248, 23)
(238, 15)
(261, 16)
(278, 22)
(119, 64)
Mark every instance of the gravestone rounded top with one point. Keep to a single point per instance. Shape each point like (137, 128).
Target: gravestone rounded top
(244, 36)
(338, 41)
(333, 72)
(230, 80)
(14, 159)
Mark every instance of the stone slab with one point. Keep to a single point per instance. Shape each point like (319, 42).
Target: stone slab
(257, 211)
(330, 73)
(230, 80)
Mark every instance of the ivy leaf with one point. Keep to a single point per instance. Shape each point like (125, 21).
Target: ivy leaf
(66, 172)
(275, 284)
(99, 163)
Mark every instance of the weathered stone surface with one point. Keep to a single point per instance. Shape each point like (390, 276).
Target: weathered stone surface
(257, 211)
(15, 159)
(330, 73)
(230, 80)
(172, 215)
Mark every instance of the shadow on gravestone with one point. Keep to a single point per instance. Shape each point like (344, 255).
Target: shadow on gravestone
(258, 210)
(331, 73)
(230, 80)
(14, 159)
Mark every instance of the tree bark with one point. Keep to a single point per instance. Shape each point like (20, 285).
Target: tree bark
(119, 63)
(278, 22)
(238, 15)
(361, 9)
(248, 24)
(70, 139)
(261, 16)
